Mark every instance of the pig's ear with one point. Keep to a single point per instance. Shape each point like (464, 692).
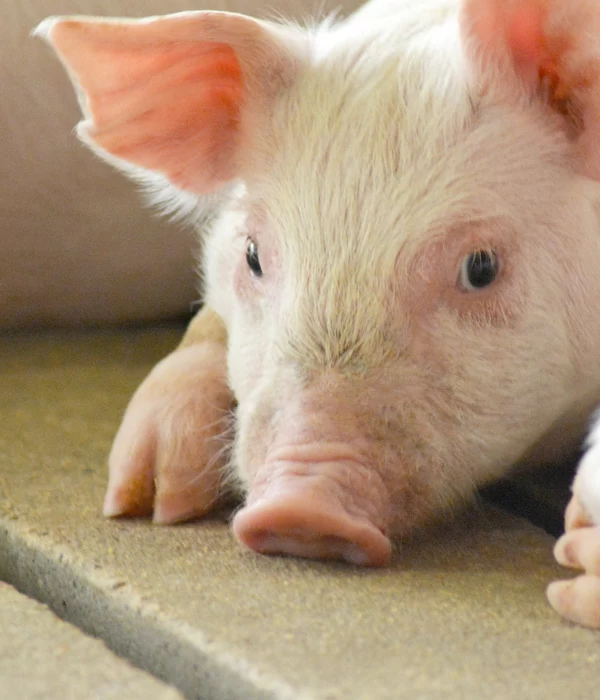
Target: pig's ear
(176, 95)
(552, 47)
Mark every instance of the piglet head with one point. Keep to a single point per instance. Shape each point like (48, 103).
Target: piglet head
(407, 266)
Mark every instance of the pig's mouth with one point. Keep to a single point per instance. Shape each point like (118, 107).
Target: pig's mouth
(318, 510)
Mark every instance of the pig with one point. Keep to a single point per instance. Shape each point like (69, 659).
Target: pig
(401, 288)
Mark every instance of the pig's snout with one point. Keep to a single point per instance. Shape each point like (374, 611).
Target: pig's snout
(332, 510)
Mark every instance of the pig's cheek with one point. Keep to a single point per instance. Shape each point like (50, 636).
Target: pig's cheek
(242, 371)
(168, 456)
(223, 252)
(247, 288)
(248, 338)
(254, 433)
(413, 503)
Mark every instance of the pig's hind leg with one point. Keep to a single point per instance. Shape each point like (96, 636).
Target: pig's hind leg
(579, 548)
(169, 456)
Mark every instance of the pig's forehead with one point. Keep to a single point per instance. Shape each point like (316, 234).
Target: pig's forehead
(380, 147)
(366, 135)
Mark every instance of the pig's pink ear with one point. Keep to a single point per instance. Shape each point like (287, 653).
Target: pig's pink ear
(553, 47)
(175, 95)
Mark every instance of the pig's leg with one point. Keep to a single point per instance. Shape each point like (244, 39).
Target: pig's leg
(579, 548)
(168, 457)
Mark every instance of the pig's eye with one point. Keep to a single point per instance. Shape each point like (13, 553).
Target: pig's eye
(252, 258)
(479, 270)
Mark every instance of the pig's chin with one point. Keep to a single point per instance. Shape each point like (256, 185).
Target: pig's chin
(319, 502)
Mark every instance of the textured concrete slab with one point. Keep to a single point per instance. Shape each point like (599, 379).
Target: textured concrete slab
(43, 657)
(460, 614)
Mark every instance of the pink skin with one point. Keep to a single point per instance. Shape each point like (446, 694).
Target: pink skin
(578, 599)
(335, 464)
(315, 485)
(322, 475)
(317, 501)
(167, 458)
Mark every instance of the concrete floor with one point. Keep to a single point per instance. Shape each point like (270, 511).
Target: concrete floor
(43, 657)
(460, 614)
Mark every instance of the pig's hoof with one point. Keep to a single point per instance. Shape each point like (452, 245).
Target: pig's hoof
(169, 455)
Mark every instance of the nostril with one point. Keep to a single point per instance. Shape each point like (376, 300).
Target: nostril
(354, 555)
(307, 546)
